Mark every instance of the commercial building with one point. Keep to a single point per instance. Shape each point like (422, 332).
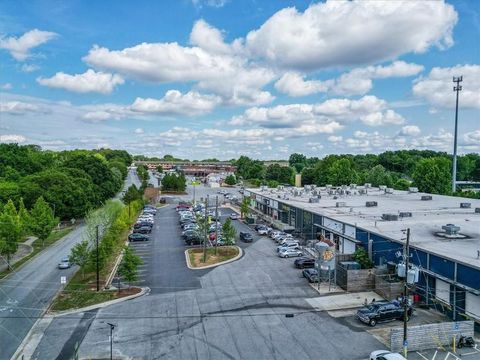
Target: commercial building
(444, 241)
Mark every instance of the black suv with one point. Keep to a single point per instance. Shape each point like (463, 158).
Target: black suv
(246, 237)
(382, 311)
(304, 263)
(137, 237)
(193, 239)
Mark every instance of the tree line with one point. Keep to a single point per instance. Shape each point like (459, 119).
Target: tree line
(71, 182)
(428, 170)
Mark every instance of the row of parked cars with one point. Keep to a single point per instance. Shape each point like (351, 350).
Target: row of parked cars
(287, 245)
(144, 224)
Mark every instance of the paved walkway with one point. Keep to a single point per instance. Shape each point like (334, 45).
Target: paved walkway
(24, 249)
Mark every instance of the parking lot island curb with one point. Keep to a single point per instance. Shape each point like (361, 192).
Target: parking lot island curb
(187, 259)
(145, 290)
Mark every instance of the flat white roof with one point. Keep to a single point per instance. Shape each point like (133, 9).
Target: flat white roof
(427, 219)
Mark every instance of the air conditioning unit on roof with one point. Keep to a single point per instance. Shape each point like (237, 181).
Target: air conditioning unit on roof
(371, 204)
(390, 217)
(388, 191)
(313, 200)
(367, 185)
(465, 205)
(382, 187)
(340, 204)
(412, 190)
(403, 214)
(426, 197)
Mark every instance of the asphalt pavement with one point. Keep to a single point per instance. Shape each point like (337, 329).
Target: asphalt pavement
(27, 293)
(234, 311)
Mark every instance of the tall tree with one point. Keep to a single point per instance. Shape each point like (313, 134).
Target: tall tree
(80, 255)
(228, 232)
(245, 207)
(129, 266)
(297, 161)
(379, 176)
(230, 180)
(25, 218)
(342, 173)
(433, 175)
(43, 220)
(132, 194)
(10, 231)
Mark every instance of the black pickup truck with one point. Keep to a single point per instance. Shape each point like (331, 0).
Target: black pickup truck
(382, 311)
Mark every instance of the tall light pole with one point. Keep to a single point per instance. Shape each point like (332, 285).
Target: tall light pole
(405, 294)
(98, 269)
(457, 88)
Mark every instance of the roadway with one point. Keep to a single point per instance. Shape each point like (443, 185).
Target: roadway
(27, 293)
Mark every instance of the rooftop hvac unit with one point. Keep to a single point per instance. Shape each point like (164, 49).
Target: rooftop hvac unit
(390, 217)
(280, 187)
(328, 186)
(340, 204)
(314, 192)
(367, 185)
(297, 193)
(313, 200)
(362, 191)
(353, 186)
(405, 214)
(350, 265)
(465, 205)
(412, 189)
(477, 210)
(382, 187)
(279, 196)
(371, 204)
(320, 196)
(451, 229)
(389, 191)
(426, 197)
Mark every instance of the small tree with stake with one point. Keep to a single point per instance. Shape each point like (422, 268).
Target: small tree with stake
(80, 256)
(129, 266)
(245, 207)
(10, 231)
(228, 232)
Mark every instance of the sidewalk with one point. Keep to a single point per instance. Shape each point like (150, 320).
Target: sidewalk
(24, 249)
(346, 301)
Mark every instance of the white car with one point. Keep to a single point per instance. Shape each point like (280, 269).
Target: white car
(385, 355)
(290, 253)
(289, 245)
(234, 216)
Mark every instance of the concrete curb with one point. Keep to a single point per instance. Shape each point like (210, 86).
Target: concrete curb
(189, 265)
(145, 290)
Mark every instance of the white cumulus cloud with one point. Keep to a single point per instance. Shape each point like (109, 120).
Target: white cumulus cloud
(89, 81)
(437, 87)
(410, 130)
(19, 47)
(374, 31)
(11, 138)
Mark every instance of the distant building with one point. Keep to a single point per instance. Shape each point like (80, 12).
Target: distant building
(445, 233)
(197, 169)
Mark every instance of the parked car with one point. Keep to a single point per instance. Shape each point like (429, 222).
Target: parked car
(263, 230)
(64, 263)
(138, 237)
(304, 263)
(234, 216)
(193, 239)
(311, 275)
(286, 253)
(259, 226)
(142, 224)
(382, 311)
(143, 230)
(246, 237)
(286, 240)
(288, 245)
(385, 355)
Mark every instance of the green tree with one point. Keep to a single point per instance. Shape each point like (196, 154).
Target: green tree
(228, 232)
(10, 231)
(132, 194)
(342, 173)
(230, 180)
(245, 207)
(297, 161)
(80, 255)
(25, 218)
(379, 176)
(282, 174)
(402, 184)
(361, 256)
(129, 266)
(432, 175)
(160, 169)
(43, 220)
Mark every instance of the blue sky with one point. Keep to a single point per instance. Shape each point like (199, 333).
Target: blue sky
(223, 78)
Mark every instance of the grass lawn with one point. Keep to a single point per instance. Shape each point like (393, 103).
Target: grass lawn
(37, 247)
(81, 292)
(224, 253)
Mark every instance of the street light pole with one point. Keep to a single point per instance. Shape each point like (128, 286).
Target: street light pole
(205, 237)
(405, 293)
(216, 224)
(457, 88)
(98, 269)
(112, 326)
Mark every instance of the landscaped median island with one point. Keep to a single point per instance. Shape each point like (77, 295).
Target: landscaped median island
(81, 289)
(223, 255)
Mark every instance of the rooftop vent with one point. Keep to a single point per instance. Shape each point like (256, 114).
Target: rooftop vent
(353, 186)
(280, 187)
(389, 191)
(465, 205)
(367, 185)
(451, 229)
(328, 186)
(382, 187)
(313, 200)
(390, 217)
(340, 204)
(362, 191)
(477, 210)
(371, 204)
(426, 197)
(412, 190)
(403, 214)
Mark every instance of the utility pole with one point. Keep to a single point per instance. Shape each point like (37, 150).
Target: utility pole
(216, 223)
(457, 88)
(98, 269)
(112, 326)
(205, 237)
(405, 293)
